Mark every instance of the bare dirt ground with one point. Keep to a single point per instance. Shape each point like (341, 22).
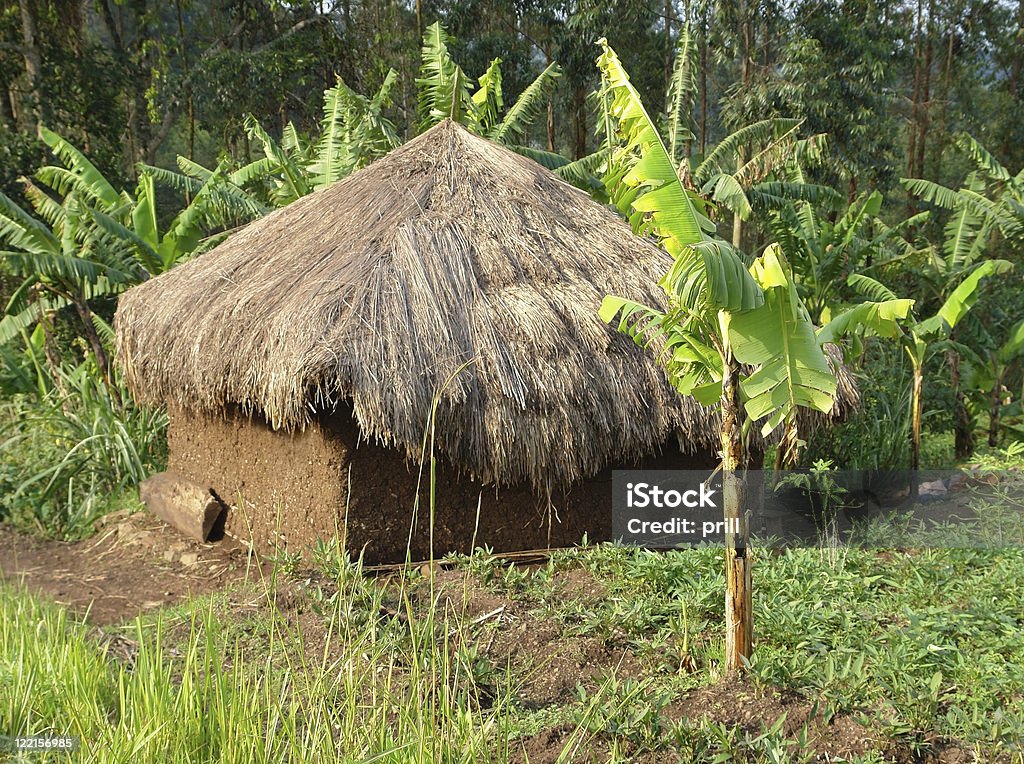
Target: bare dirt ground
(136, 563)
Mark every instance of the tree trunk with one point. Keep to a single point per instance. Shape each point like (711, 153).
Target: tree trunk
(580, 102)
(705, 31)
(551, 106)
(925, 108)
(112, 24)
(995, 409)
(668, 53)
(747, 36)
(183, 49)
(947, 84)
(916, 408)
(551, 122)
(739, 618)
(962, 429)
(33, 61)
(1015, 69)
(7, 115)
(914, 99)
(144, 148)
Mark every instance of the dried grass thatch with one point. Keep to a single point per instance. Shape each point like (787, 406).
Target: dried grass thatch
(451, 267)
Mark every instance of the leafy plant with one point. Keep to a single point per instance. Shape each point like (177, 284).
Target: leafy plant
(753, 169)
(987, 370)
(987, 203)
(922, 332)
(720, 316)
(353, 132)
(88, 241)
(824, 251)
(828, 495)
(444, 92)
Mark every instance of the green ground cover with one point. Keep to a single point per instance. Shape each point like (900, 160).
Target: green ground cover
(920, 653)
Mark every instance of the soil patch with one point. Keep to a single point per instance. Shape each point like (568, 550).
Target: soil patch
(135, 564)
(552, 665)
(754, 709)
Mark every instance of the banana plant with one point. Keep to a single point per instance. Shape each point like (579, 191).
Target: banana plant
(446, 92)
(1003, 188)
(55, 254)
(987, 370)
(747, 171)
(88, 240)
(720, 315)
(59, 264)
(824, 251)
(137, 236)
(353, 132)
(977, 212)
(733, 172)
(921, 333)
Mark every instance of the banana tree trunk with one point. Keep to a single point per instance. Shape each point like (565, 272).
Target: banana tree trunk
(739, 618)
(962, 425)
(99, 352)
(916, 407)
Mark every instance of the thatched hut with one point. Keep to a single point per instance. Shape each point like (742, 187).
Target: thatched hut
(300, 360)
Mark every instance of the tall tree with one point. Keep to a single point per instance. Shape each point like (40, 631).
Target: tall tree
(33, 59)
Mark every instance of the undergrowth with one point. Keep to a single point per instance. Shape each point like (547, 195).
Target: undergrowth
(924, 648)
(72, 448)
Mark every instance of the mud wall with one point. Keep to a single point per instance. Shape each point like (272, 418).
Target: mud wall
(286, 490)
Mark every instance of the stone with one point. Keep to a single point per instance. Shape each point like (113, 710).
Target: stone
(931, 491)
(188, 506)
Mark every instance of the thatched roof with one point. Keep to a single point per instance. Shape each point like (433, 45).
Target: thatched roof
(452, 266)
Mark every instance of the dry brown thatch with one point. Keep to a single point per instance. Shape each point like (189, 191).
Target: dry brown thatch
(381, 288)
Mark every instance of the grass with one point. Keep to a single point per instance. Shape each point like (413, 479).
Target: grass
(922, 647)
(200, 687)
(71, 452)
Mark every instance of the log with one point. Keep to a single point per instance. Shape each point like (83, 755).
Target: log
(188, 506)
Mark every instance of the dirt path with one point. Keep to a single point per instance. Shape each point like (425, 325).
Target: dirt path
(134, 564)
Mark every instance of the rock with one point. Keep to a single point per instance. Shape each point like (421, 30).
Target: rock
(189, 558)
(426, 570)
(933, 490)
(188, 506)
